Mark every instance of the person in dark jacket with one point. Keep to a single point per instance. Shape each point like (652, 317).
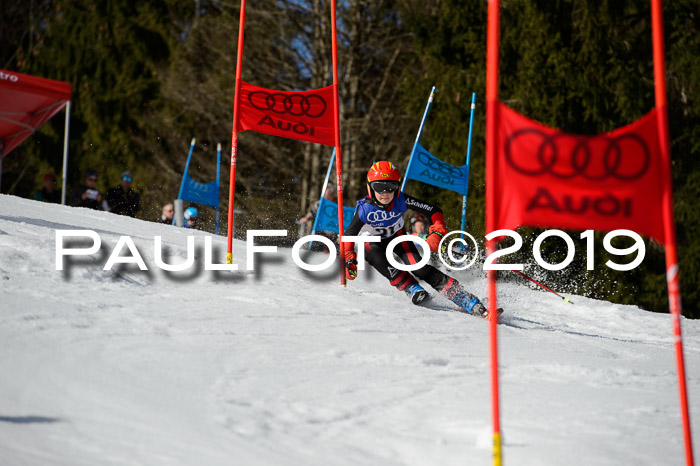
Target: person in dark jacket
(87, 195)
(123, 200)
(48, 191)
(167, 214)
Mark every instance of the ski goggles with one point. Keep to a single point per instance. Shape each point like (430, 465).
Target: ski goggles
(381, 187)
(128, 178)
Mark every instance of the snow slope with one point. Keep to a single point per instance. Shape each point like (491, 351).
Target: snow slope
(284, 367)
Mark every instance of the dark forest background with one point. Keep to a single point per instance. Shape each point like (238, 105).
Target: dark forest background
(149, 75)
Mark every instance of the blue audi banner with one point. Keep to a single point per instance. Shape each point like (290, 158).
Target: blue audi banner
(427, 168)
(328, 216)
(201, 193)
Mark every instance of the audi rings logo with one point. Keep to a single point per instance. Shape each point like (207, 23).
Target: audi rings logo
(329, 210)
(310, 105)
(439, 165)
(567, 156)
(381, 215)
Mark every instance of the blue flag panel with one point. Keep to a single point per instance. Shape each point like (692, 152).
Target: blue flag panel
(201, 193)
(328, 216)
(429, 169)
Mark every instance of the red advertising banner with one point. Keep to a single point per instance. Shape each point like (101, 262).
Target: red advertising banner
(537, 175)
(302, 115)
(549, 178)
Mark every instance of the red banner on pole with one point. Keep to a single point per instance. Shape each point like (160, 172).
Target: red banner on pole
(537, 175)
(554, 179)
(301, 115)
(311, 116)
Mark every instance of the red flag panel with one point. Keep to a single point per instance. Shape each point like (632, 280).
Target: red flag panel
(302, 115)
(549, 178)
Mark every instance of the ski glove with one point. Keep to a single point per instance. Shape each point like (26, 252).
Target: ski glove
(437, 232)
(350, 265)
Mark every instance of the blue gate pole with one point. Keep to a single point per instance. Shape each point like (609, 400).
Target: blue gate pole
(218, 174)
(420, 131)
(469, 151)
(323, 193)
(187, 167)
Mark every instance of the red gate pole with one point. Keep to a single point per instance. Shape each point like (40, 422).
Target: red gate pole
(338, 164)
(672, 279)
(492, 57)
(234, 136)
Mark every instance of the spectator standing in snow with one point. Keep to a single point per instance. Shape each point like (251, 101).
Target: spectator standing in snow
(381, 214)
(122, 199)
(191, 217)
(48, 191)
(86, 195)
(331, 194)
(418, 226)
(168, 214)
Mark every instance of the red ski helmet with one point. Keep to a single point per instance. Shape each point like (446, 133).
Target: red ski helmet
(383, 171)
(383, 175)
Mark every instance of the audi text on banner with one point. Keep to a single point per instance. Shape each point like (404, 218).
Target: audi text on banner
(554, 179)
(302, 115)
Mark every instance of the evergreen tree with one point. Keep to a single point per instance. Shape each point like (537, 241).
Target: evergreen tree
(112, 52)
(583, 66)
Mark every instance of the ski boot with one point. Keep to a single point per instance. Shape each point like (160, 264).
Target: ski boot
(416, 292)
(466, 301)
(480, 310)
(473, 305)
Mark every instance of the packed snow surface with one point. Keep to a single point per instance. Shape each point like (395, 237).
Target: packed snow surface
(279, 366)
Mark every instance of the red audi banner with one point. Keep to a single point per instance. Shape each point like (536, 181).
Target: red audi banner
(301, 115)
(549, 178)
(540, 176)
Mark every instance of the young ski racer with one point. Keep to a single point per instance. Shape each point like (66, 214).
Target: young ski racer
(381, 214)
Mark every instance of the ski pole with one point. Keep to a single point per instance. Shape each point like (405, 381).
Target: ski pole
(533, 281)
(540, 284)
